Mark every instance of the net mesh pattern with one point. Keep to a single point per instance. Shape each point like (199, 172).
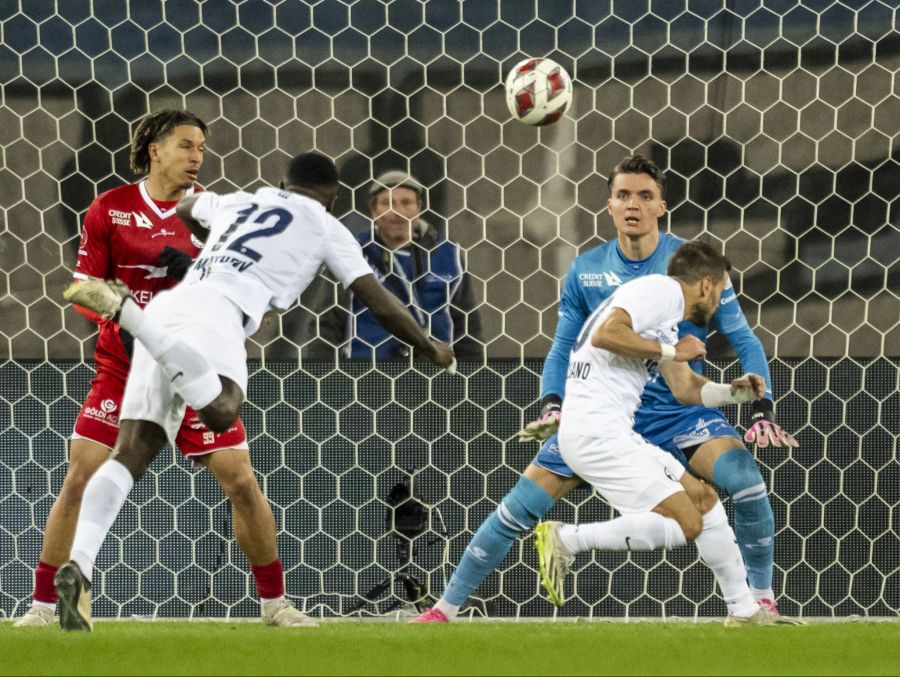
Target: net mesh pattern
(776, 122)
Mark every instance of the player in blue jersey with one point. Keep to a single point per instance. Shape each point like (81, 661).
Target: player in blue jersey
(699, 437)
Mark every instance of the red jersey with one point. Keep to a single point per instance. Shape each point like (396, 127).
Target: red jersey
(124, 232)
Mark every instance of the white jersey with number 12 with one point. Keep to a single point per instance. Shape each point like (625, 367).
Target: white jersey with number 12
(265, 248)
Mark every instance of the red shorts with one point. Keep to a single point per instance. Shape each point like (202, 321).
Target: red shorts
(98, 421)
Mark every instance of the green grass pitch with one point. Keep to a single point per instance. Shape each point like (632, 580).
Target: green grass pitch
(483, 648)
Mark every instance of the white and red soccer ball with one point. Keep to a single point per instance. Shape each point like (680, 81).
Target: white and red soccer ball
(538, 91)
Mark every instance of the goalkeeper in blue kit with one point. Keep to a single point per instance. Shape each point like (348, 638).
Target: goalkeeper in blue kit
(700, 437)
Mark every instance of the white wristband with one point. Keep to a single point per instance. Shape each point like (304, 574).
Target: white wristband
(668, 352)
(716, 394)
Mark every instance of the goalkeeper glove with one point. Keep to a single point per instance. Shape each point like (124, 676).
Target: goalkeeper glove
(175, 261)
(547, 423)
(764, 430)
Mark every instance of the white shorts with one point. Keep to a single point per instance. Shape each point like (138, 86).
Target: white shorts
(633, 475)
(205, 320)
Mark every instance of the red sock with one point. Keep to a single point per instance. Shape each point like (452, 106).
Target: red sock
(44, 588)
(269, 580)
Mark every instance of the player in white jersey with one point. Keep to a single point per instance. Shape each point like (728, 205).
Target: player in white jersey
(261, 252)
(627, 341)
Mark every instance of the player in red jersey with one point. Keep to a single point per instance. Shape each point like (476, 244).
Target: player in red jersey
(132, 233)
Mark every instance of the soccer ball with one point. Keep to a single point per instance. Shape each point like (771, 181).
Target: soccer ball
(538, 91)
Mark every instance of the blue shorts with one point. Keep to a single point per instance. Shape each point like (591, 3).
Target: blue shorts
(682, 428)
(549, 458)
(673, 431)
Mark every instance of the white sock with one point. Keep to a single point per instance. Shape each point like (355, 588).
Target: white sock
(719, 549)
(104, 496)
(46, 605)
(643, 531)
(451, 611)
(192, 375)
(768, 594)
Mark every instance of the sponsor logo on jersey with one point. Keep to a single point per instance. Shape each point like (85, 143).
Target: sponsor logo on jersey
(599, 279)
(153, 272)
(120, 218)
(108, 405)
(162, 233)
(141, 220)
(142, 296)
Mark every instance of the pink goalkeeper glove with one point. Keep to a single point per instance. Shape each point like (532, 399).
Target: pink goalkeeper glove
(763, 429)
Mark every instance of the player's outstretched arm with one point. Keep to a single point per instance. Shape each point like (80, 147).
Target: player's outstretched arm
(763, 429)
(572, 314)
(184, 209)
(395, 317)
(690, 388)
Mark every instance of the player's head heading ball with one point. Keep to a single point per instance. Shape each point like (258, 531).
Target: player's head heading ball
(156, 128)
(313, 175)
(700, 267)
(639, 164)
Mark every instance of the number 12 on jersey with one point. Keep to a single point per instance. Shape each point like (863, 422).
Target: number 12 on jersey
(282, 219)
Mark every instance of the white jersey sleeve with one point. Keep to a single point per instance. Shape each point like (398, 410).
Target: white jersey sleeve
(653, 302)
(205, 208)
(343, 254)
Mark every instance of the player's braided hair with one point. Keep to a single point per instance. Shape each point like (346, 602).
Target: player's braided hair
(154, 127)
(639, 164)
(696, 260)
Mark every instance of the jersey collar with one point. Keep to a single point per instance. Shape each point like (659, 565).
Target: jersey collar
(162, 214)
(638, 263)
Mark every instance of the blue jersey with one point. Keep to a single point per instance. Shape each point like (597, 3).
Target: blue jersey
(596, 274)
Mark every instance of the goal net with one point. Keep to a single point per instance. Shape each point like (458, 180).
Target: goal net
(777, 124)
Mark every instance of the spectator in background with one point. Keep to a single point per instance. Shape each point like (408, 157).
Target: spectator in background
(412, 259)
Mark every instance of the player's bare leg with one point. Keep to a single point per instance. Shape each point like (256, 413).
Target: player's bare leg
(555, 485)
(85, 457)
(254, 530)
(727, 464)
(137, 445)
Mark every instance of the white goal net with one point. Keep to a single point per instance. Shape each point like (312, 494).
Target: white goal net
(777, 123)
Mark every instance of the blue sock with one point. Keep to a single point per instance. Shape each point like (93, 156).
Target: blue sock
(519, 510)
(737, 474)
